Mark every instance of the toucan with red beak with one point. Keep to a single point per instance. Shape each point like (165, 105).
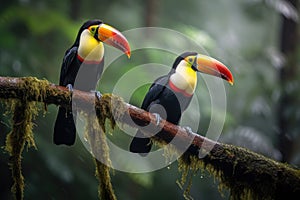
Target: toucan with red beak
(82, 67)
(170, 95)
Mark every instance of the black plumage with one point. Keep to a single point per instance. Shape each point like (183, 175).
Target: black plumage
(64, 128)
(166, 102)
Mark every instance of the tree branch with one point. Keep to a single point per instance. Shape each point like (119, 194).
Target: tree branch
(244, 173)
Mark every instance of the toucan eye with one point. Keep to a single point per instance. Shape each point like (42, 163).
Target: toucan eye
(93, 29)
(190, 60)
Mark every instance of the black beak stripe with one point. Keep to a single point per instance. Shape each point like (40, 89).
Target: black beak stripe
(194, 65)
(96, 34)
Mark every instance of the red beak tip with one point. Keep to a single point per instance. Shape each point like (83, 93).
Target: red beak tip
(128, 54)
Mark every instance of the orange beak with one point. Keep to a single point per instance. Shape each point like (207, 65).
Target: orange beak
(113, 37)
(208, 65)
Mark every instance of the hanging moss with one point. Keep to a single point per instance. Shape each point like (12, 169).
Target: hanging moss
(105, 189)
(24, 112)
(245, 174)
(20, 135)
(100, 150)
(33, 87)
(109, 107)
(170, 152)
(188, 170)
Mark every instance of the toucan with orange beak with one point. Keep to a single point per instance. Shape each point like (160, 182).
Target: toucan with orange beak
(170, 95)
(82, 67)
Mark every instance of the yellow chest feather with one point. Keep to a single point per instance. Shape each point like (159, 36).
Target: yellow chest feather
(185, 78)
(89, 48)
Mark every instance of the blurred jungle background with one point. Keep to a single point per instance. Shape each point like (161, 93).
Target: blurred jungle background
(257, 39)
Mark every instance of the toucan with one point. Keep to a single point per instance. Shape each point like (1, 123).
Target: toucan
(83, 65)
(170, 95)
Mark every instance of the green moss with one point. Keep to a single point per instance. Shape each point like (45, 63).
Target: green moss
(35, 87)
(20, 135)
(109, 107)
(24, 112)
(170, 152)
(188, 166)
(95, 131)
(245, 174)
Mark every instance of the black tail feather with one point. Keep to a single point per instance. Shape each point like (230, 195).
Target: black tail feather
(140, 144)
(64, 128)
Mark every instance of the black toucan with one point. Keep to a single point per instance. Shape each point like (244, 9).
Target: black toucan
(170, 95)
(82, 67)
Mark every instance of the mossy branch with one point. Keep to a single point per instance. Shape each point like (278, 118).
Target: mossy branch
(246, 174)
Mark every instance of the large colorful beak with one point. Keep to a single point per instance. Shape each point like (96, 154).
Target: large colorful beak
(113, 37)
(208, 65)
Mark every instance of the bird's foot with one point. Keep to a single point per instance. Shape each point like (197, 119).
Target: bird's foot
(70, 87)
(98, 94)
(188, 130)
(157, 118)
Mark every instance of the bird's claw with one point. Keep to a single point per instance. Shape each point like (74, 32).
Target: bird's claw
(188, 130)
(70, 87)
(98, 94)
(157, 118)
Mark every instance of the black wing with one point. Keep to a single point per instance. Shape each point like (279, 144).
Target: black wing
(65, 68)
(154, 91)
(64, 128)
(140, 144)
